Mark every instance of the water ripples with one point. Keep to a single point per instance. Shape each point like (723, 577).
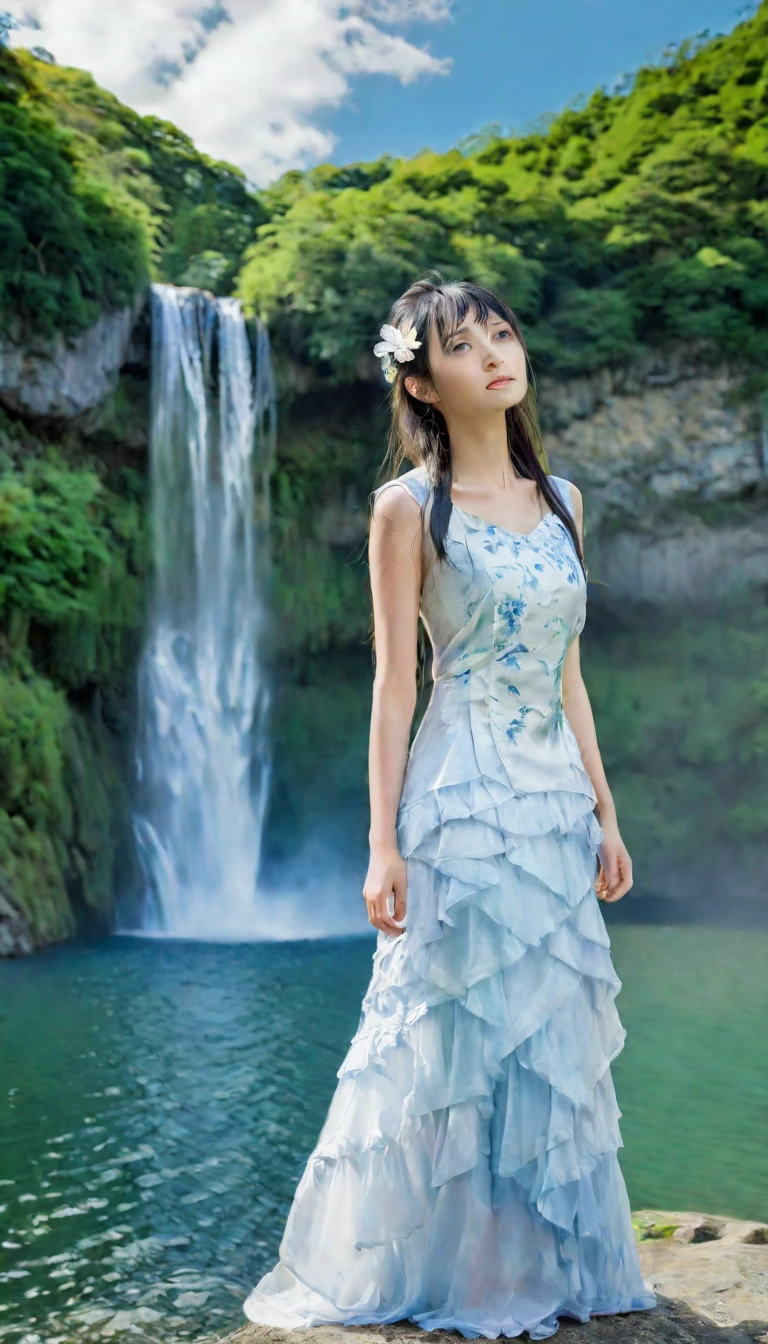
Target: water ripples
(161, 1102)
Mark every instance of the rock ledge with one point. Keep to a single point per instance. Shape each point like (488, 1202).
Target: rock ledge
(710, 1275)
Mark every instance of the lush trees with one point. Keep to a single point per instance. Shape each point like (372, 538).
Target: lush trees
(635, 220)
(74, 553)
(68, 248)
(95, 200)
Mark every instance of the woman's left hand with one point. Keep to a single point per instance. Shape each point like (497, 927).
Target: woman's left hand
(615, 877)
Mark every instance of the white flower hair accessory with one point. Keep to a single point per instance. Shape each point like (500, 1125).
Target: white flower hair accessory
(397, 346)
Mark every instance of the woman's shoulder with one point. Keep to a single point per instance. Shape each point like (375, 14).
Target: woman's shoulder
(567, 491)
(415, 481)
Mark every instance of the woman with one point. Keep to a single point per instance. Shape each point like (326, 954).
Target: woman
(466, 1174)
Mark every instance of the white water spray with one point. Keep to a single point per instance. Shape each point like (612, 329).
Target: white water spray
(203, 756)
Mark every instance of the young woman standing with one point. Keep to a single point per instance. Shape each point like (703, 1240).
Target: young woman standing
(466, 1175)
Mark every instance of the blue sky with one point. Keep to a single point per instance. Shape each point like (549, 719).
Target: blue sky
(273, 85)
(512, 61)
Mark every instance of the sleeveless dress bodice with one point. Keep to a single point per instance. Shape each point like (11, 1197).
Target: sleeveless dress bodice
(466, 1174)
(500, 615)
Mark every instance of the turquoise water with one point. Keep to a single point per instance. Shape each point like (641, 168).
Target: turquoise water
(159, 1101)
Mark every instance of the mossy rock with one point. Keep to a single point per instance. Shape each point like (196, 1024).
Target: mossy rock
(36, 880)
(648, 1228)
(64, 809)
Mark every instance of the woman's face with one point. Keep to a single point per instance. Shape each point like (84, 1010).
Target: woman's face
(481, 369)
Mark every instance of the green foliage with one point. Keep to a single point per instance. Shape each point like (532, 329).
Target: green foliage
(73, 562)
(95, 201)
(73, 556)
(634, 220)
(62, 807)
(320, 595)
(687, 755)
(32, 716)
(67, 248)
(34, 807)
(327, 458)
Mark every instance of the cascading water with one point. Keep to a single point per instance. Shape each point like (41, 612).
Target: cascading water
(203, 756)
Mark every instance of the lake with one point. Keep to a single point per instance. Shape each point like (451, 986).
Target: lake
(160, 1099)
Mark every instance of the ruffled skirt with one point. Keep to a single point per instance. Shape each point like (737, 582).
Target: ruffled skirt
(466, 1175)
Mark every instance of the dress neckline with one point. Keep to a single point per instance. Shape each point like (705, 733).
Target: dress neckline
(497, 527)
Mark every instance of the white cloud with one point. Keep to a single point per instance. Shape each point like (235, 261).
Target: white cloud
(244, 78)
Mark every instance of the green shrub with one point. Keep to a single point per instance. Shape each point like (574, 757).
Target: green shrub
(73, 558)
(73, 563)
(35, 812)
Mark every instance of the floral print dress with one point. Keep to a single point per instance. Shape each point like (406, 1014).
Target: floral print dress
(466, 1174)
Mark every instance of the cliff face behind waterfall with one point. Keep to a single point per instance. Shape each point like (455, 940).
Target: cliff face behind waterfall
(630, 234)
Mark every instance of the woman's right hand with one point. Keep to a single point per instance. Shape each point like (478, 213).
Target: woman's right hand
(386, 874)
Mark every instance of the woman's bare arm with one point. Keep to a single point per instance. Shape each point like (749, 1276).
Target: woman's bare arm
(615, 876)
(394, 552)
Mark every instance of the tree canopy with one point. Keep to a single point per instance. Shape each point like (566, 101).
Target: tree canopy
(638, 219)
(95, 200)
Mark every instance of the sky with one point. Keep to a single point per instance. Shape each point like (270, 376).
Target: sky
(512, 62)
(276, 84)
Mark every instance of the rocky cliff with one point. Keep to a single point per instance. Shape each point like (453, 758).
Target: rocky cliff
(670, 454)
(673, 463)
(59, 377)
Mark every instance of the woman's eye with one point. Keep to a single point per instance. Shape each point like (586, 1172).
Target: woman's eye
(505, 331)
(458, 345)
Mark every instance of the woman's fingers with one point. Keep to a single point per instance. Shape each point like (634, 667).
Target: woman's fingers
(398, 886)
(603, 883)
(385, 882)
(612, 868)
(615, 876)
(378, 913)
(623, 878)
(384, 919)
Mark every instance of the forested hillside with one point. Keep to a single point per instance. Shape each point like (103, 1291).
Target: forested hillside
(95, 200)
(637, 220)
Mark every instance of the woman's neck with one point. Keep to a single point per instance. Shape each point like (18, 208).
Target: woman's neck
(480, 452)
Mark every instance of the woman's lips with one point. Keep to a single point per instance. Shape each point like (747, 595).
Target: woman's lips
(499, 382)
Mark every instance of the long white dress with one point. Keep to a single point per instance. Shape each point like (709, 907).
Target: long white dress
(466, 1174)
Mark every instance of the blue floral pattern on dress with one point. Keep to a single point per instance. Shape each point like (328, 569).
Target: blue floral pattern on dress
(510, 659)
(511, 610)
(516, 726)
(520, 567)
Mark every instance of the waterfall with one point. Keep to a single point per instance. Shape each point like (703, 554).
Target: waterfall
(202, 756)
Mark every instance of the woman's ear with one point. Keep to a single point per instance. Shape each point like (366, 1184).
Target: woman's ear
(420, 389)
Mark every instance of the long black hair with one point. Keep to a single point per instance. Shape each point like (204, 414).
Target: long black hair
(418, 431)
